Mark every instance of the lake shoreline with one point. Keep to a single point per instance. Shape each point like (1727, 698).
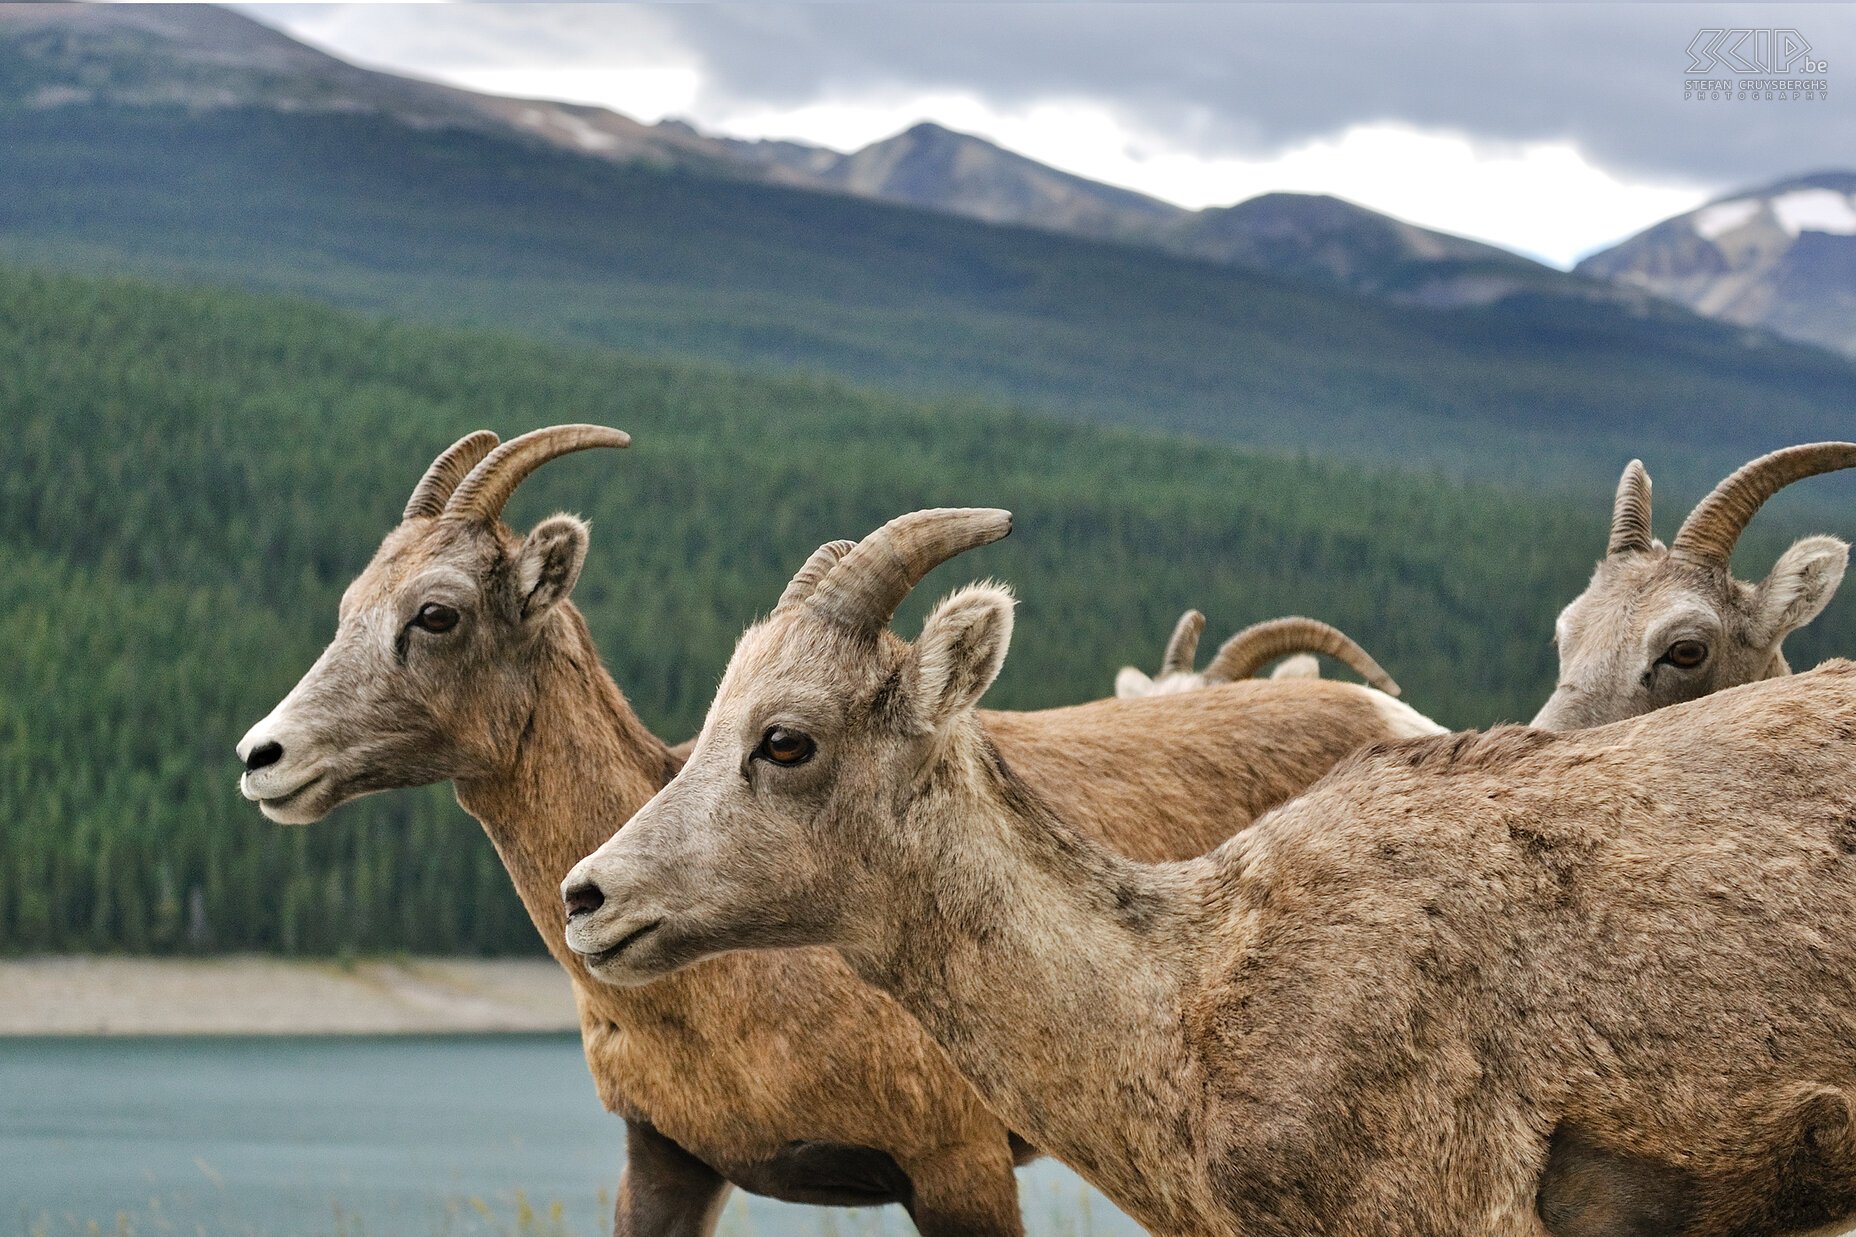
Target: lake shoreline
(256, 995)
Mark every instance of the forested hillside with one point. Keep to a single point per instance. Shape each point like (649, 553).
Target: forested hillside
(191, 477)
(470, 229)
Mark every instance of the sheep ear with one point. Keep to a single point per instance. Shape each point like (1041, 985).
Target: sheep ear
(961, 649)
(549, 562)
(1131, 682)
(1801, 584)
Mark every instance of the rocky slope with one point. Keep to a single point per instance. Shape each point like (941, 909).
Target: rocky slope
(1781, 257)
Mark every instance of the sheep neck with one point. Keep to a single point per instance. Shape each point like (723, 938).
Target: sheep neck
(1052, 972)
(584, 765)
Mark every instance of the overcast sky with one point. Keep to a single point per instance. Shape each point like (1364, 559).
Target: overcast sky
(1553, 129)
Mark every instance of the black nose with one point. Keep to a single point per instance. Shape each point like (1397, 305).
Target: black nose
(262, 755)
(583, 899)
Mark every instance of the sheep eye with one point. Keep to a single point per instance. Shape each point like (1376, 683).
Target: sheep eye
(435, 618)
(785, 746)
(1686, 654)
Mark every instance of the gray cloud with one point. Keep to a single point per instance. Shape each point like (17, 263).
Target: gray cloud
(1247, 80)
(1255, 79)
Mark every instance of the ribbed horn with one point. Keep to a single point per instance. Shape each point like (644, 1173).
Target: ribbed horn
(1630, 512)
(1182, 650)
(869, 582)
(1708, 535)
(817, 568)
(434, 489)
(483, 493)
(1261, 643)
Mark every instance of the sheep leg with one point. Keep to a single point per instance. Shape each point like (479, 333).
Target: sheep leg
(1588, 1190)
(966, 1192)
(665, 1191)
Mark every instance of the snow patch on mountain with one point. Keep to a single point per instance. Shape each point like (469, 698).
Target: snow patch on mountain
(1815, 210)
(584, 134)
(1723, 217)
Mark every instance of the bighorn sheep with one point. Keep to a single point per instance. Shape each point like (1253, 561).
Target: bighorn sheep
(459, 656)
(1378, 1010)
(1658, 625)
(1247, 652)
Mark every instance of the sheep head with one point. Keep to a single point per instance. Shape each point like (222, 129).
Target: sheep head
(1660, 624)
(428, 676)
(1244, 654)
(787, 805)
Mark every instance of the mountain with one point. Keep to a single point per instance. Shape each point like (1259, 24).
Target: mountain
(935, 168)
(938, 169)
(123, 156)
(1300, 236)
(205, 58)
(1782, 257)
(1329, 240)
(1312, 237)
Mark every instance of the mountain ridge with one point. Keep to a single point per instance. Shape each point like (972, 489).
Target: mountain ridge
(932, 166)
(219, 59)
(1329, 239)
(226, 59)
(1802, 287)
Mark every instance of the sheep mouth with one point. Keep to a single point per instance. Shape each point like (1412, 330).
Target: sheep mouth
(611, 954)
(296, 798)
(291, 796)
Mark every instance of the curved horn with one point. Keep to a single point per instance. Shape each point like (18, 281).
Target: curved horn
(1630, 512)
(1183, 649)
(1261, 643)
(817, 568)
(1707, 537)
(482, 494)
(434, 489)
(868, 583)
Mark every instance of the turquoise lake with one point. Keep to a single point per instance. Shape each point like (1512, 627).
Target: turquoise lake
(295, 1137)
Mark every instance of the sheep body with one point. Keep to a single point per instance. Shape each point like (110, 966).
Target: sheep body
(1378, 1010)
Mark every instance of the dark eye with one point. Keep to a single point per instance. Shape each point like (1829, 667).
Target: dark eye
(1686, 654)
(785, 746)
(435, 618)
